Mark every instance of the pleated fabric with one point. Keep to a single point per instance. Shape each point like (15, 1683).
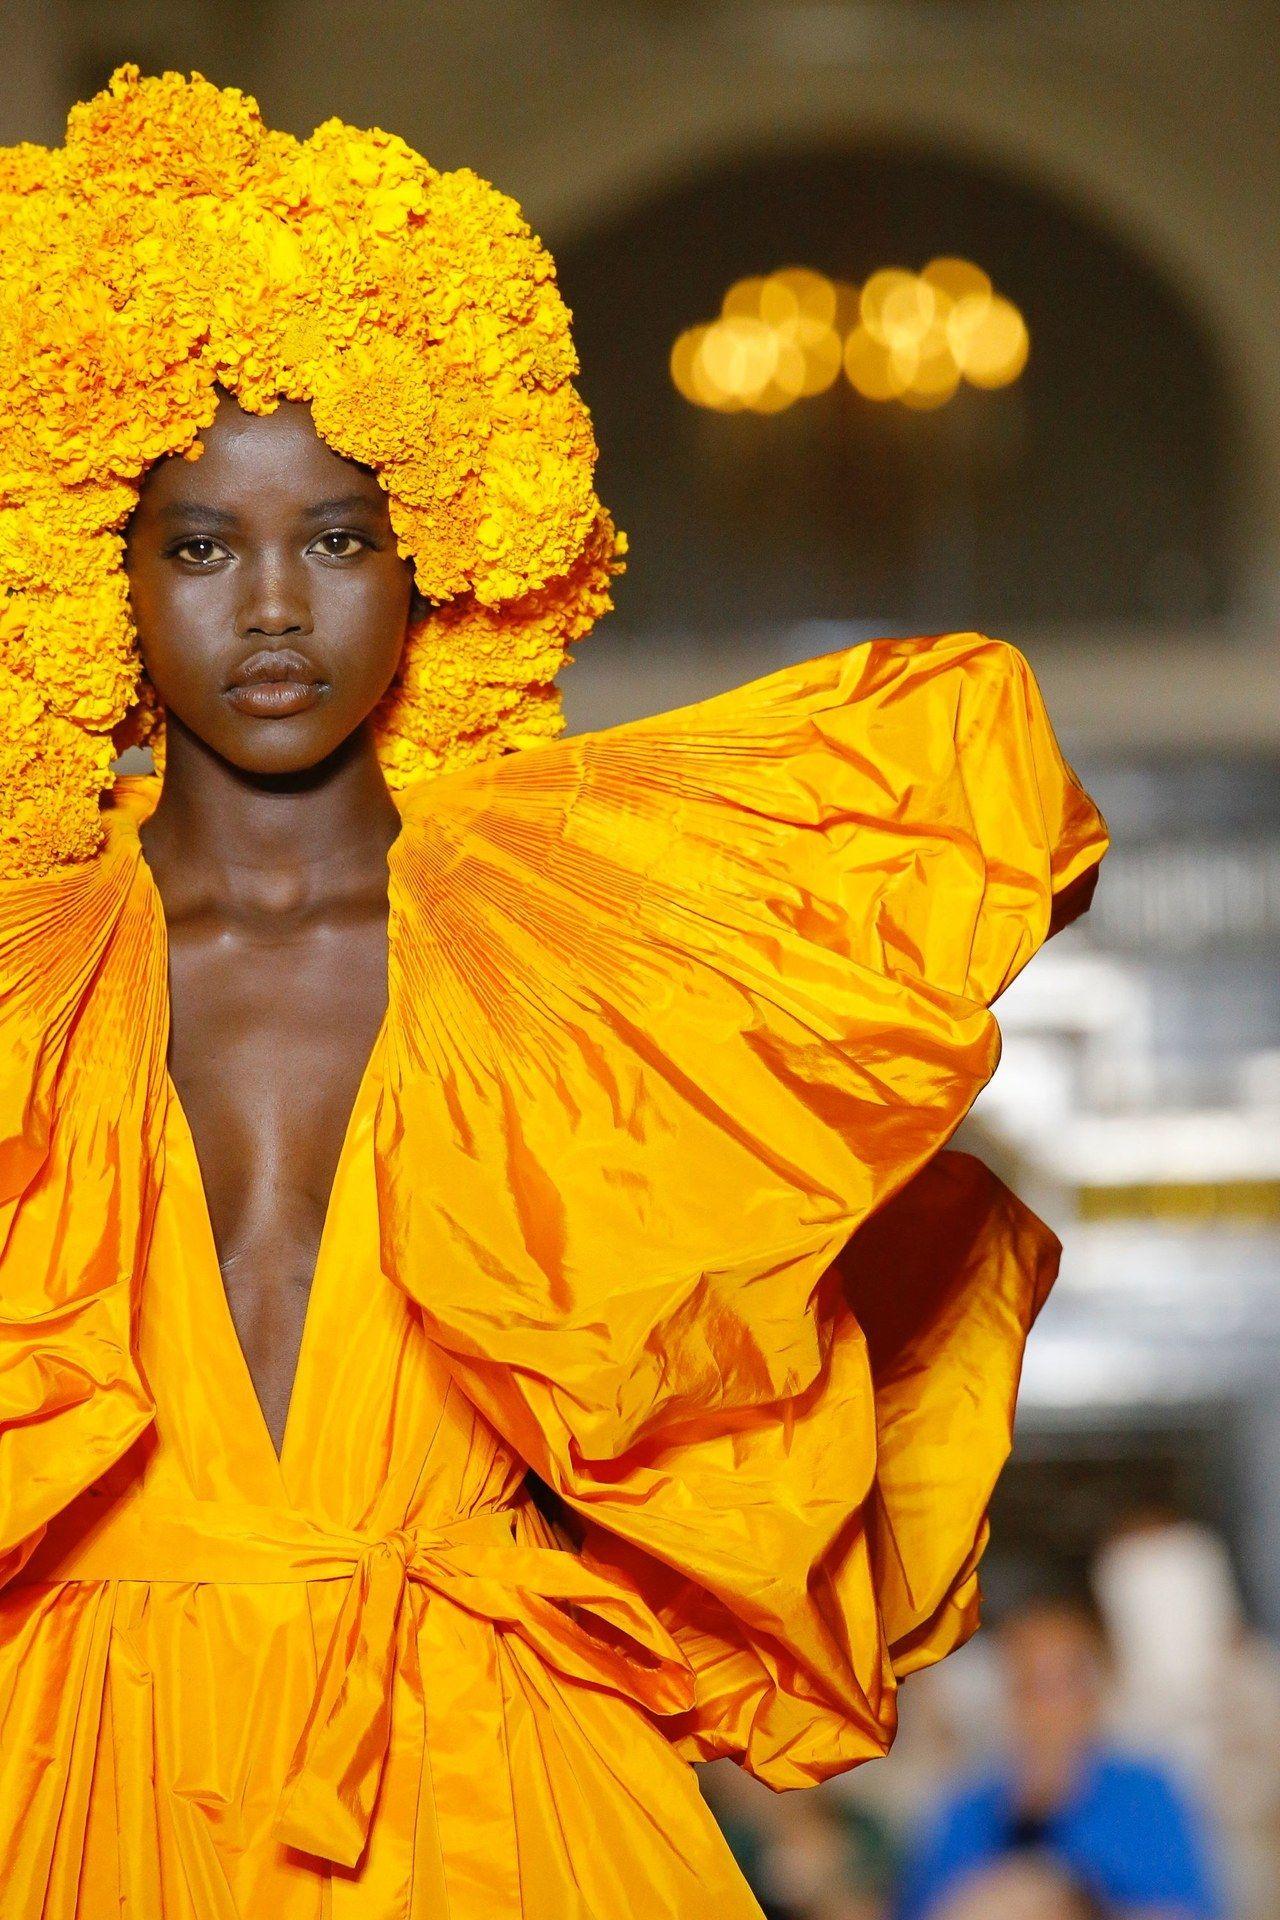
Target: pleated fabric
(642, 1194)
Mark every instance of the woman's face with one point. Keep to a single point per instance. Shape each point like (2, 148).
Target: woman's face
(270, 601)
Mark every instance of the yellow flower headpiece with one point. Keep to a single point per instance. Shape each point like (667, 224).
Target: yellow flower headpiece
(176, 245)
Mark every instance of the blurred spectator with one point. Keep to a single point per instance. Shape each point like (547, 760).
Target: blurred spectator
(1195, 1683)
(1021, 1890)
(1065, 1794)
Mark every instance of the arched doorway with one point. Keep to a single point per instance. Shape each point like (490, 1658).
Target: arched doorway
(1100, 488)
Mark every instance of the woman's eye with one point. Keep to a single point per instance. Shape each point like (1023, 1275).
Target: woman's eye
(183, 551)
(353, 544)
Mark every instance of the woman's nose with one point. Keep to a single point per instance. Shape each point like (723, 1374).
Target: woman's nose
(274, 602)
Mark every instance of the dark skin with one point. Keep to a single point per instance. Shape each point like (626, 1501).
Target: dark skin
(269, 840)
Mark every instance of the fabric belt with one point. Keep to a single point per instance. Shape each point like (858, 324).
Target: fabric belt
(580, 1624)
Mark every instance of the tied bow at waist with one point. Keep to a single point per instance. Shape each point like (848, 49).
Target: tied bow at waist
(580, 1624)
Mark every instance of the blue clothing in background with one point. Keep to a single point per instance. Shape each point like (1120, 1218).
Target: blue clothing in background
(1127, 1833)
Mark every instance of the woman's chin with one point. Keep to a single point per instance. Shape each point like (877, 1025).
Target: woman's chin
(267, 747)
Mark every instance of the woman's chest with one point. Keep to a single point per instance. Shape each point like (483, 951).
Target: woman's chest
(377, 1428)
(271, 1042)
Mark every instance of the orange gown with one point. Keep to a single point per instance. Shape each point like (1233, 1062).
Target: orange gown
(641, 1193)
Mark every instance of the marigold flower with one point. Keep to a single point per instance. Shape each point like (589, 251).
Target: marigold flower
(176, 245)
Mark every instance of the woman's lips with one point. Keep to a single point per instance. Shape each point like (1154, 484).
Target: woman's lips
(274, 699)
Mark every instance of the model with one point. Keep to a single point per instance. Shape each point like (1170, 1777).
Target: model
(484, 1317)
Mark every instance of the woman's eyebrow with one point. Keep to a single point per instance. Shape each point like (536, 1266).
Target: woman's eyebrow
(196, 510)
(348, 503)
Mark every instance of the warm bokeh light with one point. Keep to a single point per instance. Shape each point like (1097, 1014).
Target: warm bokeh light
(897, 307)
(912, 337)
(955, 279)
(799, 294)
(686, 369)
(739, 356)
(822, 359)
(875, 370)
(989, 339)
(743, 297)
(776, 341)
(935, 376)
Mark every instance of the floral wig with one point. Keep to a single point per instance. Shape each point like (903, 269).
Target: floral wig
(176, 246)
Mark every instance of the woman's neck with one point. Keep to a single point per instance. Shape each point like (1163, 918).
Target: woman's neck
(266, 844)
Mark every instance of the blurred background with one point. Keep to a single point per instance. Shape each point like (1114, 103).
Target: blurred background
(907, 317)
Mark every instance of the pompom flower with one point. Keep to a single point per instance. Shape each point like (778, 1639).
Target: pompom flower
(176, 245)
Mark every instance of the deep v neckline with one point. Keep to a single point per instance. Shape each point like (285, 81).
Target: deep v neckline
(147, 786)
(221, 1305)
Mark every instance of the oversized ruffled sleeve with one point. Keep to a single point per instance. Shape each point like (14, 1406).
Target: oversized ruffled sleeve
(684, 1012)
(82, 1038)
